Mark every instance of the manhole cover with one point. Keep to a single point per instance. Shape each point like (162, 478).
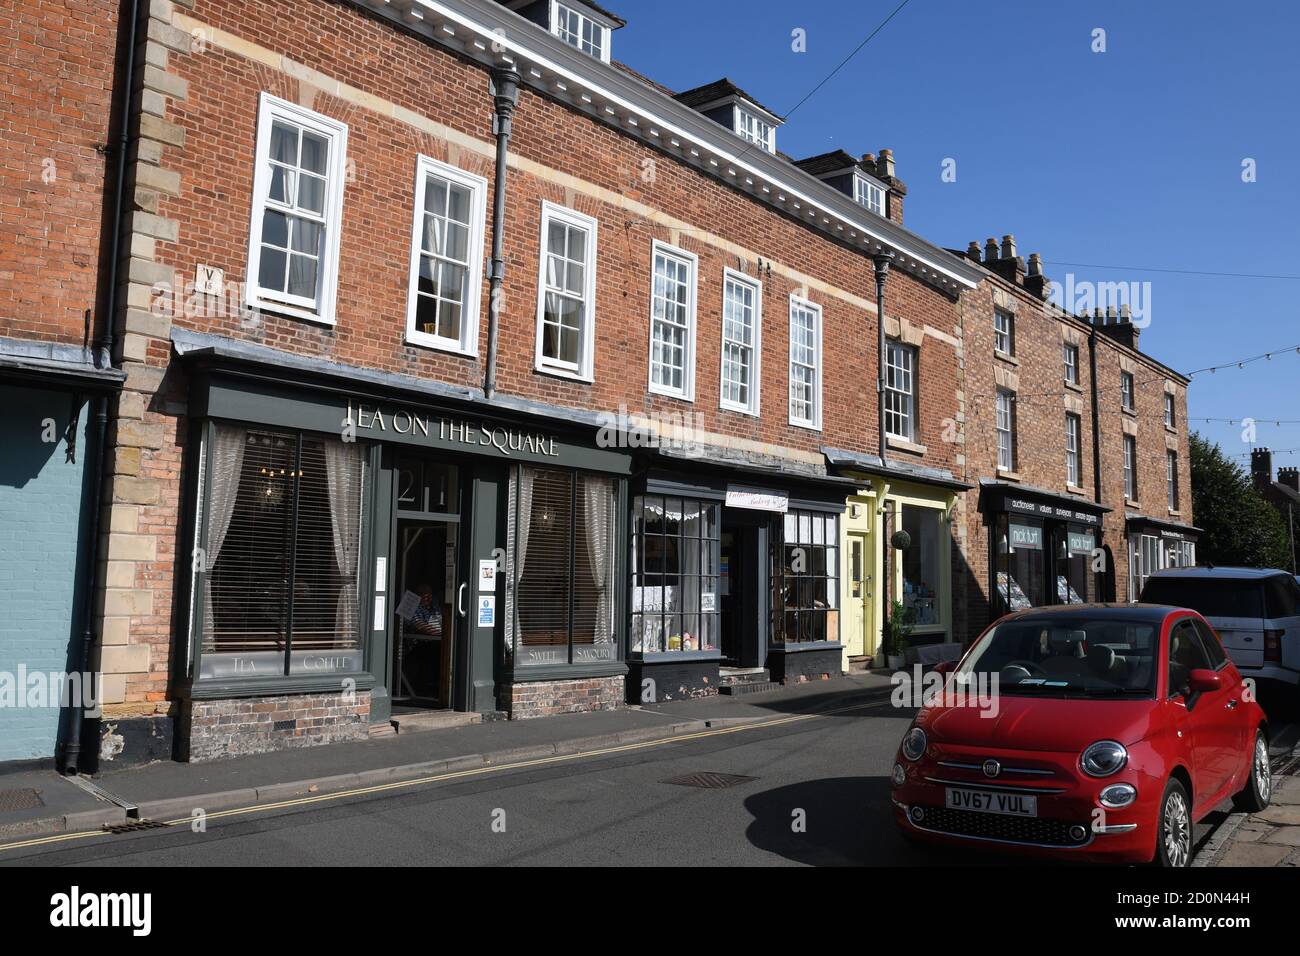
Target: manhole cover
(21, 799)
(708, 781)
(135, 825)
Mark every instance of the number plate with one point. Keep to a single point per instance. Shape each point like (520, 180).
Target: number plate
(987, 801)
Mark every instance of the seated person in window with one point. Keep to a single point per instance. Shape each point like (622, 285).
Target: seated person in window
(427, 618)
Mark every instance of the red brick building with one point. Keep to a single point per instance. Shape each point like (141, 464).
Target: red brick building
(466, 368)
(1077, 443)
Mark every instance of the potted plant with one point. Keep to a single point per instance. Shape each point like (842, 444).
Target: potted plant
(901, 621)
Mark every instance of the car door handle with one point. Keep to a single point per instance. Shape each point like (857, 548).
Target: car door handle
(460, 599)
(1232, 705)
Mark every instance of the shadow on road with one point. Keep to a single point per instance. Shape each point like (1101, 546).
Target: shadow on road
(846, 821)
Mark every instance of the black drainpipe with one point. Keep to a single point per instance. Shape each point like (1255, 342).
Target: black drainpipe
(882, 261)
(505, 96)
(1109, 574)
(96, 444)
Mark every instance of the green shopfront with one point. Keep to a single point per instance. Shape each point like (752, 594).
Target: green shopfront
(363, 552)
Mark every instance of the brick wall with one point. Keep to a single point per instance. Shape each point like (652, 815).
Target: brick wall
(212, 729)
(549, 698)
(204, 67)
(54, 119)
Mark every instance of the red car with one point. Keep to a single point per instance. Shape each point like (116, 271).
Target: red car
(1103, 733)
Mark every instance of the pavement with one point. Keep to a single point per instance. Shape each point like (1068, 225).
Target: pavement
(40, 801)
(1270, 838)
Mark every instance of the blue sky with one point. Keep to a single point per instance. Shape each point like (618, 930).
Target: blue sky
(1131, 157)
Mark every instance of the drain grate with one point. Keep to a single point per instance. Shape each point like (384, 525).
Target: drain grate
(134, 826)
(23, 798)
(708, 780)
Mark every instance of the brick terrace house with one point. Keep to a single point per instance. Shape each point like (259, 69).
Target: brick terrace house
(464, 368)
(1077, 443)
(376, 454)
(59, 142)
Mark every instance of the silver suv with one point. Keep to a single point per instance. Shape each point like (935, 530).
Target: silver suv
(1255, 611)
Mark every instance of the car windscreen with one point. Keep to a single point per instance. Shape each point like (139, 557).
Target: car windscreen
(1213, 597)
(1068, 656)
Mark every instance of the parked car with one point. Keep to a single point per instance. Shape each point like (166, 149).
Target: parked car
(1255, 612)
(1114, 729)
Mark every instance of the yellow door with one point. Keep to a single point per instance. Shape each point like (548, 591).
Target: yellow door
(857, 596)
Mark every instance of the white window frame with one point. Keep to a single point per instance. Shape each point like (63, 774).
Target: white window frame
(1005, 409)
(1130, 467)
(691, 261)
(1070, 351)
(869, 194)
(730, 276)
(1171, 414)
(764, 132)
(815, 422)
(893, 346)
(426, 166)
(321, 307)
(584, 370)
(1009, 333)
(583, 17)
(1127, 385)
(1073, 457)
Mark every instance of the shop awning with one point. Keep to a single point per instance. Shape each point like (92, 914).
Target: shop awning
(56, 365)
(843, 460)
(1167, 528)
(1039, 502)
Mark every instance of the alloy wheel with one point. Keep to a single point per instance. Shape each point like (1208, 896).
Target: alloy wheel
(1177, 830)
(1263, 772)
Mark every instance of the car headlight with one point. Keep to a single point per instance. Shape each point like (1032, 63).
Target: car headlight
(1118, 795)
(899, 776)
(914, 744)
(1103, 758)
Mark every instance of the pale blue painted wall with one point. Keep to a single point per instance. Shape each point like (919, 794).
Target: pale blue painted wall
(41, 503)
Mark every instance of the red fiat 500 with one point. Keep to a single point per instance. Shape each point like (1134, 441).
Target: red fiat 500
(1089, 732)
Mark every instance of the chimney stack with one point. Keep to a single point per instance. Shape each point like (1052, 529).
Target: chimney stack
(1118, 326)
(883, 168)
(990, 249)
(1008, 247)
(1289, 477)
(885, 164)
(1261, 469)
(1035, 281)
(973, 251)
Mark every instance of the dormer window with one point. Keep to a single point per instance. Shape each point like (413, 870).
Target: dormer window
(869, 193)
(577, 26)
(751, 126)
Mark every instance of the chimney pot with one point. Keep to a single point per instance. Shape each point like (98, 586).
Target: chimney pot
(973, 251)
(1008, 246)
(885, 164)
(1035, 264)
(990, 249)
(1289, 477)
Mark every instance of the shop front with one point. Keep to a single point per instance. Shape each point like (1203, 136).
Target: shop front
(1043, 548)
(732, 572)
(360, 554)
(1154, 544)
(915, 566)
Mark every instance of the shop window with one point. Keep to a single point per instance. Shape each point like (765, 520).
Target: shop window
(1146, 557)
(446, 258)
(676, 545)
(1075, 580)
(566, 293)
(278, 568)
(922, 564)
(561, 585)
(805, 578)
(1020, 567)
(293, 247)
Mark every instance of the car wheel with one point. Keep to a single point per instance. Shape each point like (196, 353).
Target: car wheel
(1174, 827)
(1259, 786)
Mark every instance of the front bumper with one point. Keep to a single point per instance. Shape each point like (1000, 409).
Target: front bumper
(1070, 824)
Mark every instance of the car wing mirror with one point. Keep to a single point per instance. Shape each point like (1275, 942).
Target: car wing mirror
(945, 667)
(1204, 681)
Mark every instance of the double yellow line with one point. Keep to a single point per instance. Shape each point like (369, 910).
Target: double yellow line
(460, 774)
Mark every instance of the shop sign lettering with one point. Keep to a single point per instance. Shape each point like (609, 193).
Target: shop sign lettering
(504, 441)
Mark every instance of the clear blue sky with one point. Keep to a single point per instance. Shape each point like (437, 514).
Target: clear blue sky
(1131, 157)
